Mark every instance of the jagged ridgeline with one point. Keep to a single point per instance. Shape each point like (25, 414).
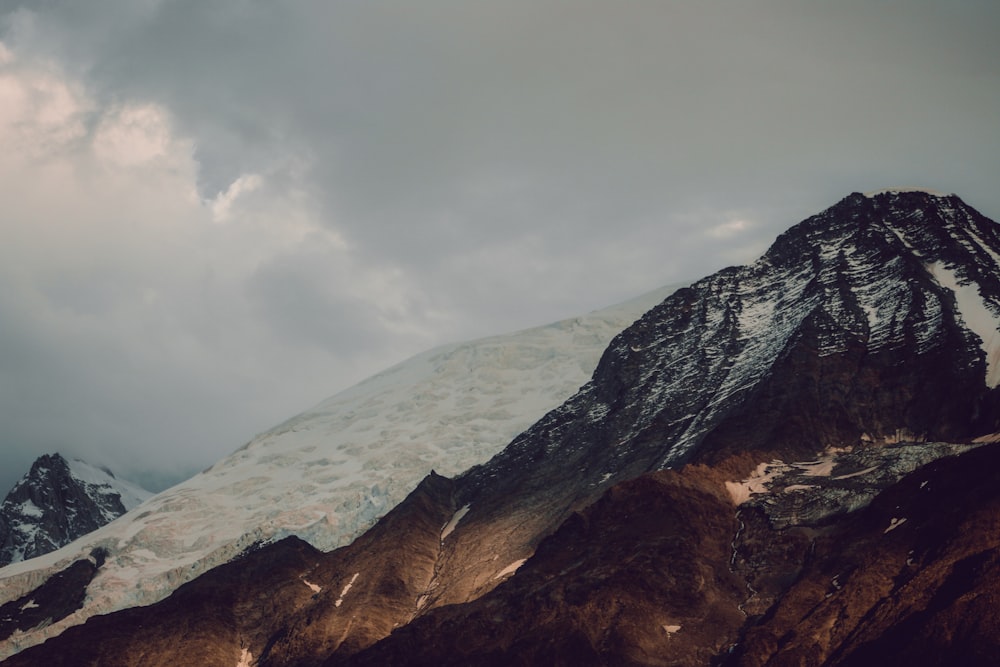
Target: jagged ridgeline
(803, 442)
(58, 501)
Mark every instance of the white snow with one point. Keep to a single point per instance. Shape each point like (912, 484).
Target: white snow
(894, 523)
(313, 587)
(329, 473)
(30, 604)
(346, 589)
(510, 569)
(979, 319)
(671, 629)
(30, 509)
(759, 481)
(822, 467)
(453, 523)
(131, 494)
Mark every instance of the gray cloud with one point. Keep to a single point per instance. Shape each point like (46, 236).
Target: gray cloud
(222, 212)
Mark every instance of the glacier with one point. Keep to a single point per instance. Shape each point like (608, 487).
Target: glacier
(329, 473)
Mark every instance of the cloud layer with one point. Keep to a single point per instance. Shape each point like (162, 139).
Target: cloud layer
(217, 214)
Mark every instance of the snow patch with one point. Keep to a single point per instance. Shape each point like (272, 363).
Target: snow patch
(131, 494)
(757, 482)
(510, 569)
(453, 523)
(246, 658)
(894, 523)
(822, 467)
(30, 604)
(346, 589)
(978, 318)
(30, 509)
(313, 587)
(764, 476)
(671, 629)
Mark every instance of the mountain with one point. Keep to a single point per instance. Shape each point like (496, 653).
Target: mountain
(790, 462)
(58, 501)
(327, 474)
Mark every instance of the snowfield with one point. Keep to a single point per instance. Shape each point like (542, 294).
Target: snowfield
(131, 494)
(329, 473)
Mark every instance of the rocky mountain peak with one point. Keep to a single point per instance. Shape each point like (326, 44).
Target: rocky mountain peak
(891, 297)
(761, 451)
(58, 501)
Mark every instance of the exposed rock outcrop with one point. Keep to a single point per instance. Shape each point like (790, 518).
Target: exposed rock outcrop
(58, 501)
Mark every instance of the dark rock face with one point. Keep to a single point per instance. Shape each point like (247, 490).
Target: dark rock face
(615, 530)
(50, 508)
(57, 598)
(911, 579)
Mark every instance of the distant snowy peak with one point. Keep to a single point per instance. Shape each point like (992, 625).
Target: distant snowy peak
(58, 501)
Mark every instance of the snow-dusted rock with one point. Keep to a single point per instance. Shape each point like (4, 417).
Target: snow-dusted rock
(58, 501)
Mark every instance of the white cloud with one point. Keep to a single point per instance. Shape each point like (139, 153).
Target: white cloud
(134, 135)
(133, 334)
(39, 111)
(729, 229)
(223, 202)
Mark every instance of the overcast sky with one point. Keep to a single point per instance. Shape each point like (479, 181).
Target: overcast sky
(216, 214)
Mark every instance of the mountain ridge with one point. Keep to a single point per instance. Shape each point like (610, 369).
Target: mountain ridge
(777, 403)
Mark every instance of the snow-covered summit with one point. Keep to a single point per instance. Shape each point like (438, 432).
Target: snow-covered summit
(329, 473)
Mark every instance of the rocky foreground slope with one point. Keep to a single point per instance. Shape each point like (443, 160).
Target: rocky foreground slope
(792, 462)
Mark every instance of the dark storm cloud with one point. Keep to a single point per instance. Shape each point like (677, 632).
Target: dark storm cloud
(377, 177)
